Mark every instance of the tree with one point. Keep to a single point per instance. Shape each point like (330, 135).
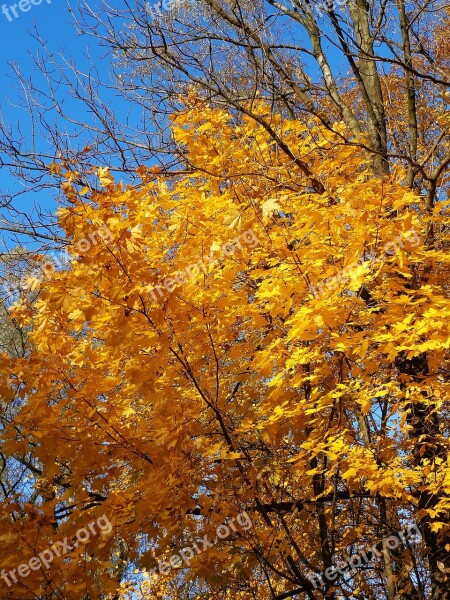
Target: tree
(289, 51)
(373, 65)
(265, 336)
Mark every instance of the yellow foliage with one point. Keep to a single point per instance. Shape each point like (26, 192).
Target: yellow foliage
(218, 354)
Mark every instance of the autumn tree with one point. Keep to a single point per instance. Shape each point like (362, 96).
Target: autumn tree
(266, 335)
(322, 398)
(381, 67)
(335, 60)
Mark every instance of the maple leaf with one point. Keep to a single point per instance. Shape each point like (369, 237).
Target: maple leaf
(211, 360)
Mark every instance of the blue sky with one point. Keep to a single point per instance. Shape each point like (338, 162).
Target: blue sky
(50, 17)
(54, 23)
(52, 20)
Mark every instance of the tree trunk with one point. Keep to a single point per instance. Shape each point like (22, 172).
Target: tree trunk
(426, 434)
